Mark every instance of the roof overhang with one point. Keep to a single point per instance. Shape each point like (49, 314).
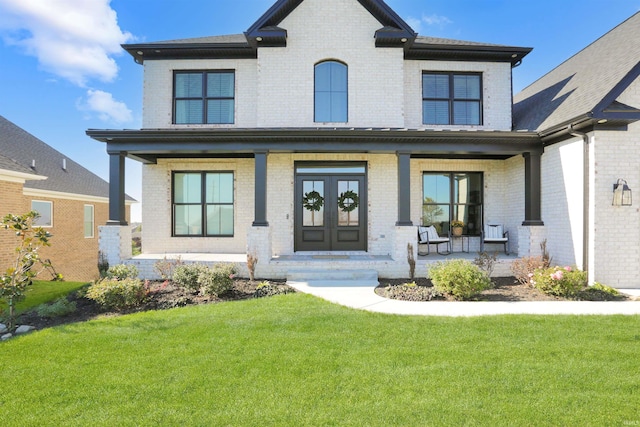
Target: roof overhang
(19, 177)
(148, 145)
(470, 52)
(195, 50)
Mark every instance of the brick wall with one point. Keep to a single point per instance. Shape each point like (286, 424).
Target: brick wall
(73, 255)
(277, 88)
(11, 202)
(562, 200)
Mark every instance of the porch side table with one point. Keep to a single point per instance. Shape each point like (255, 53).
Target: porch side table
(463, 238)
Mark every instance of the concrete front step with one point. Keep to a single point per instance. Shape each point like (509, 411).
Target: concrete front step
(334, 277)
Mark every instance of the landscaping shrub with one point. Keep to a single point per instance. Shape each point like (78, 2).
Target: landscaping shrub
(410, 292)
(122, 271)
(186, 275)
(60, 307)
(559, 281)
(486, 261)
(459, 278)
(166, 266)
(217, 280)
(268, 289)
(118, 294)
(523, 268)
(599, 292)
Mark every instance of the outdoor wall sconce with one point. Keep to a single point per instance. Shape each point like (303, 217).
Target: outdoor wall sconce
(621, 193)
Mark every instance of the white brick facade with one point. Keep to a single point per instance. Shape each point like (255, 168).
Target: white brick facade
(276, 90)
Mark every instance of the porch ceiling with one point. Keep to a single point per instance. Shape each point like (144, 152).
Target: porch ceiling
(147, 145)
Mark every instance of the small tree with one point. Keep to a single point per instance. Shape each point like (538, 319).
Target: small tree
(14, 281)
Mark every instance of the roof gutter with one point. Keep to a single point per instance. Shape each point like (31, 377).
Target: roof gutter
(585, 197)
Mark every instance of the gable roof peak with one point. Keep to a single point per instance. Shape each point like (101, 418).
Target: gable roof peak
(395, 32)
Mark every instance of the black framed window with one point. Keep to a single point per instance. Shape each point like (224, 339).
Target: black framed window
(204, 97)
(451, 99)
(331, 93)
(203, 204)
(452, 195)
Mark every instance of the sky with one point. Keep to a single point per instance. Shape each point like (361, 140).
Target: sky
(63, 71)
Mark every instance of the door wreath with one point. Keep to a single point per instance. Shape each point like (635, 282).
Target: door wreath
(312, 201)
(348, 201)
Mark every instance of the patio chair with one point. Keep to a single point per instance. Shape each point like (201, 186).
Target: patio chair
(494, 233)
(429, 236)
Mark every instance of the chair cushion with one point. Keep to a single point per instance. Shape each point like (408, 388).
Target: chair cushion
(493, 232)
(429, 234)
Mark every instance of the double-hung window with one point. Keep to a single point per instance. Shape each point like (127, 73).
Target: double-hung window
(451, 99)
(331, 93)
(203, 204)
(204, 97)
(452, 195)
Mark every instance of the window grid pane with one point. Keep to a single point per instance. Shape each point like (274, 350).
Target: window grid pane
(331, 93)
(439, 208)
(451, 99)
(204, 97)
(203, 204)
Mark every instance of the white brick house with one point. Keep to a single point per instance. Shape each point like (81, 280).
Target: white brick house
(258, 142)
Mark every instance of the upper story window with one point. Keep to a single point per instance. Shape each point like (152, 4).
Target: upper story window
(451, 99)
(331, 95)
(204, 97)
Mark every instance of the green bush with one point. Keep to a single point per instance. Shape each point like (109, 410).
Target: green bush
(559, 281)
(122, 271)
(186, 275)
(60, 307)
(217, 280)
(118, 294)
(599, 292)
(459, 278)
(268, 289)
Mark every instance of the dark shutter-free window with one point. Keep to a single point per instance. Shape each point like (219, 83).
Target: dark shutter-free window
(204, 97)
(203, 204)
(451, 99)
(452, 195)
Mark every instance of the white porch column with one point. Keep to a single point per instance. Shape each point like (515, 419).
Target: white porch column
(114, 242)
(402, 236)
(259, 246)
(529, 239)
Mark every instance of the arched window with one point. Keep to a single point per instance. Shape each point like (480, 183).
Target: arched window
(331, 96)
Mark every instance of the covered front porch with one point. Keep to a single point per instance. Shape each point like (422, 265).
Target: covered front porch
(266, 165)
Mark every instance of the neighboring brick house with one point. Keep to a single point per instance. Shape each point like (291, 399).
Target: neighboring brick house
(328, 130)
(72, 201)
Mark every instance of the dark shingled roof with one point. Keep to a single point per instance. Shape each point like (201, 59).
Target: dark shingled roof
(20, 150)
(589, 82)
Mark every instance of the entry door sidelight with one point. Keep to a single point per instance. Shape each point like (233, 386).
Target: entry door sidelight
(330, 213)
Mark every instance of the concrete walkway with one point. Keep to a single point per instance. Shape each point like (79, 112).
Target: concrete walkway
(365, 298)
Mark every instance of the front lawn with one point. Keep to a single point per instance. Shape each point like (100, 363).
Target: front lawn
(42, 291)
(297, 360)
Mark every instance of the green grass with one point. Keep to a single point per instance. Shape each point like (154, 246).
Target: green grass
(44, 291)
(297, 360)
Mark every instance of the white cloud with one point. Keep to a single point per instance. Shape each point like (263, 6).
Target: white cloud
(414, 23)
(438, 20)
(73, 39)
(107, 108)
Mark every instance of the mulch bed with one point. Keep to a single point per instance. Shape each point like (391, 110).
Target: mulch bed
(504, 289)
(165, 295)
